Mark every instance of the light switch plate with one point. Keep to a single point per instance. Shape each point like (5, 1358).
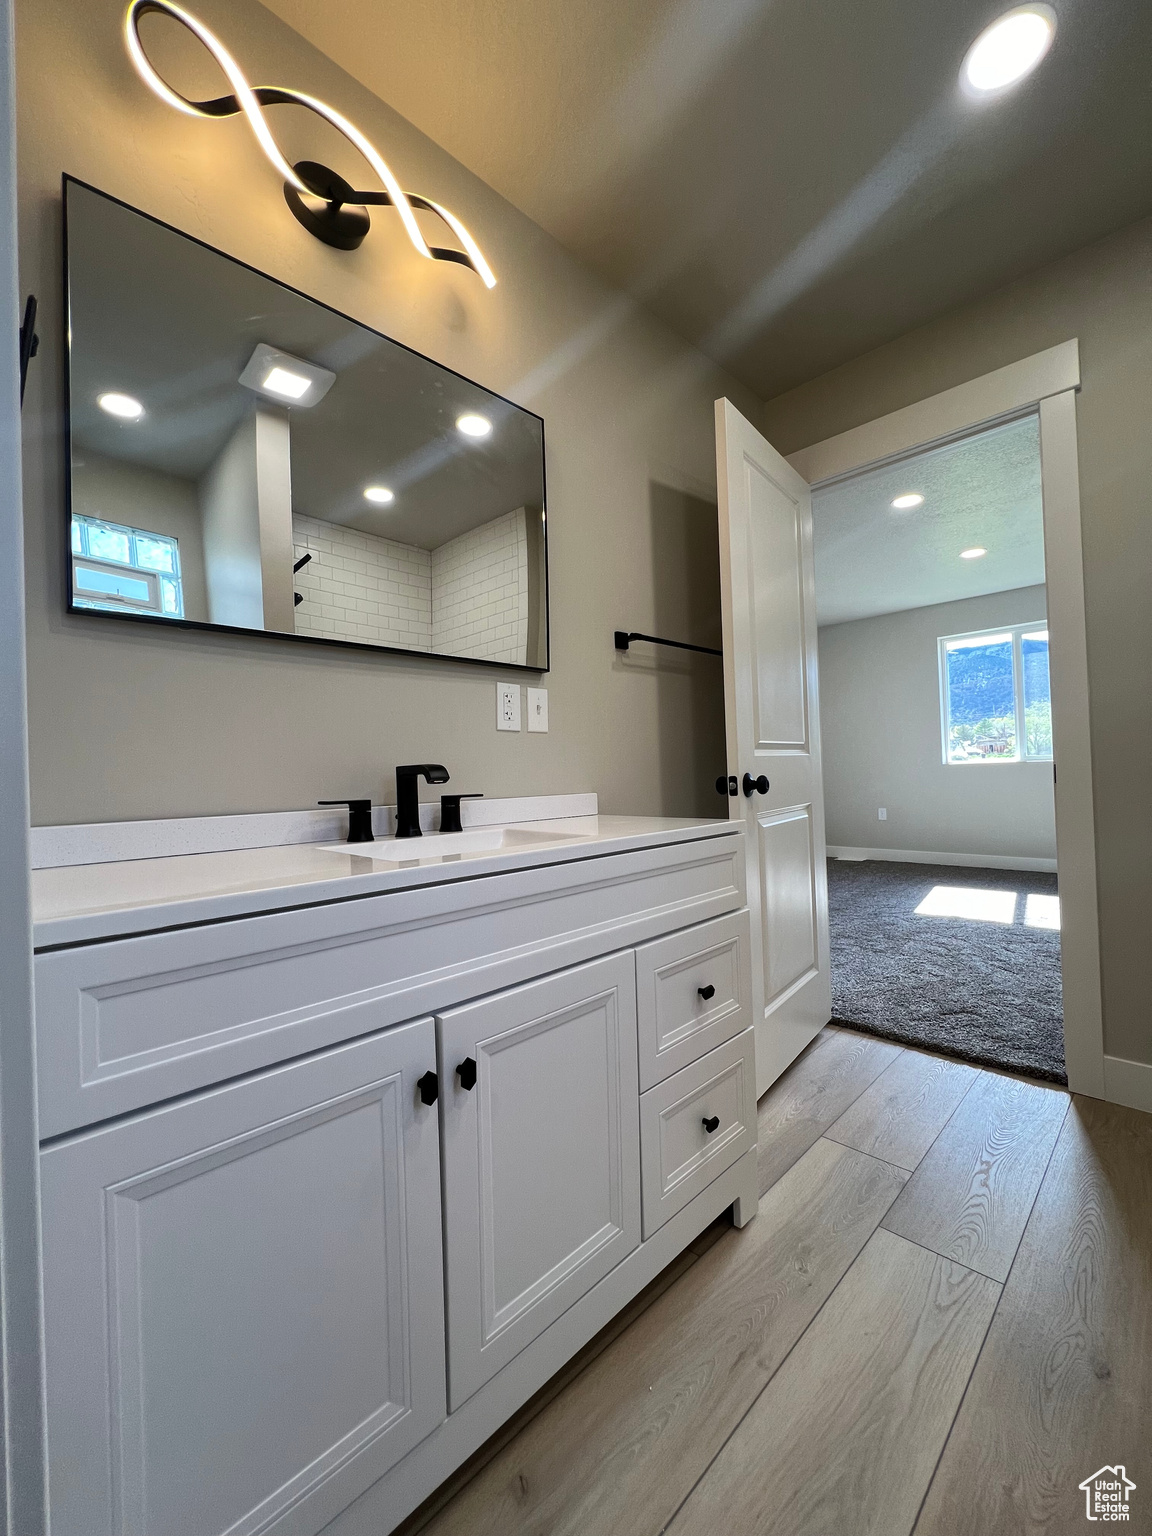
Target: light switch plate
(537, 709)
(882, 813)
(507, 706)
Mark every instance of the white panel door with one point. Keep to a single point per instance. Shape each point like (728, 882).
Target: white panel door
(540, 1133)
(244, 1301)
(773, 725)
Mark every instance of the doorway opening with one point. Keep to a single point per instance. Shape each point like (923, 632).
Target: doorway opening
(938, 769)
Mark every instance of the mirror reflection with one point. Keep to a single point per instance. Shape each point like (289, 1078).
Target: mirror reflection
(243, 456)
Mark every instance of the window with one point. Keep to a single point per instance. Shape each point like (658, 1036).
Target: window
(125, 569)
(995, 700)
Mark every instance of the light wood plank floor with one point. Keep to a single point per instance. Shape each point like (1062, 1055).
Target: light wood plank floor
(940, 1322)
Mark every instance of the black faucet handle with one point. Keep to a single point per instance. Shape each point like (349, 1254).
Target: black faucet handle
(359, 819)
(450, 811)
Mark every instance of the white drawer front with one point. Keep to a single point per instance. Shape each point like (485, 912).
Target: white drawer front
(124, 1024)
(693, 992)
(679, 1155)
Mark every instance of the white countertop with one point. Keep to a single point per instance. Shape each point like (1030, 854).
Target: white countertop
(79, 903)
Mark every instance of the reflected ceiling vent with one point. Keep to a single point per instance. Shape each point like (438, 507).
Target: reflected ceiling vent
(279, 376)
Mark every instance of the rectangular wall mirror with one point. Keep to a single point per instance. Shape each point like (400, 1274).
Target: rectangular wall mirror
(246, 458)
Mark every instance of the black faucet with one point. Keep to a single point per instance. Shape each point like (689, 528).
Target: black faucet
(450, 811)
(407, 798)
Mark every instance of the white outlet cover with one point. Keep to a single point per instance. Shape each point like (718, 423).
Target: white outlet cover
(537, 709)
(507, 706)
(882, 813)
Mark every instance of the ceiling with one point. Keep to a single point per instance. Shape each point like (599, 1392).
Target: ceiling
(983, 491)
(158, 316)
(789, 183)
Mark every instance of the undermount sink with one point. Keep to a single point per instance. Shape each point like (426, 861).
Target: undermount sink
(453, 845)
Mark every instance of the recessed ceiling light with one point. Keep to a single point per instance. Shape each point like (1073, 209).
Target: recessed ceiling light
(1008, 50)
(972, 554)
(120, 405)
(912, 499)
(472, 425)
(380, 494)
(282, 381)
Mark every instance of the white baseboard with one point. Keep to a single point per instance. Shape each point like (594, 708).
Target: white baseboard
(966, 860)
(1128, 1082)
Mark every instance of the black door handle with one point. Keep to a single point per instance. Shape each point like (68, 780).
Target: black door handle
(466, 1072)
(710, 1122)
(429, 1086)
(727, 786)
(707, 992)
(760, 785)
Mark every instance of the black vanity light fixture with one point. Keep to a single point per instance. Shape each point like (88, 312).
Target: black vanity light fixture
(328, 206)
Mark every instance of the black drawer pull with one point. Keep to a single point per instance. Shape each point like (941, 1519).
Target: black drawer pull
(429, 1086)
(466, 1072)
(710, 1122)
(708, 992)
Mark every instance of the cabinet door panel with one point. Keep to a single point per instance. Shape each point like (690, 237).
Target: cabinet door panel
(243, 1299)
(541, 1158)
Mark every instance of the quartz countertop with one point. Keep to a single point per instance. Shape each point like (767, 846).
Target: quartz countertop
(80, 903)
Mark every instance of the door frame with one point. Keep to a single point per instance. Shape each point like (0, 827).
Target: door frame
(1043, 385)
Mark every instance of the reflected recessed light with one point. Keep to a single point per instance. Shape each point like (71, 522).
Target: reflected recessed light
(282, 381)
(912, 499)
(120, 405)
(1008, 50)
(380, 494)
(972, 554)
(473, 426)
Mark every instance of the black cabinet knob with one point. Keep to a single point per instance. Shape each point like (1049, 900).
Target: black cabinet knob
(429, 1086)
(707, 992)
(760, 785)
(710, 1122)
(466, 1072)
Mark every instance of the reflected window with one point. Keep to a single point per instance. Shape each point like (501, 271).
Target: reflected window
(118, 569)
(995, 699)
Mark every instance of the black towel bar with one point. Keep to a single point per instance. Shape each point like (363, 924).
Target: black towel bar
(623, 639)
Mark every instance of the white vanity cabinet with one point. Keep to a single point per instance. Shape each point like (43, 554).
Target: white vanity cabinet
(243, 1300)
(331, 1189)
(541, 1154)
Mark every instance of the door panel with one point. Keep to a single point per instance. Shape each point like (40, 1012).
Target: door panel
(776, 601)
(787, 896)
(243, 1300)
(541, 1158)
(767, 589)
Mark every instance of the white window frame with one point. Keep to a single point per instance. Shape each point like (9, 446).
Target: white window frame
(1016, 633)
(114, 602)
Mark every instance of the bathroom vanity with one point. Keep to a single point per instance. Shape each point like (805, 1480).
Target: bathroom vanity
(348, 1150)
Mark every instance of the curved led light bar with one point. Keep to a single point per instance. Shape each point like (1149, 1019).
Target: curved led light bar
(328, 206)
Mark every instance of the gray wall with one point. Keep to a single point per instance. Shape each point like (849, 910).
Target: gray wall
(1103, 295)
(880, 727)
(196, 723)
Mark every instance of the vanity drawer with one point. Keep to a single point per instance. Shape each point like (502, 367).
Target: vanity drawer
(679, 1156)
(678, 1022)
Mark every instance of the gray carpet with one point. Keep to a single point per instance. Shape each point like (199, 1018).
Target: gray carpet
(987, 992)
